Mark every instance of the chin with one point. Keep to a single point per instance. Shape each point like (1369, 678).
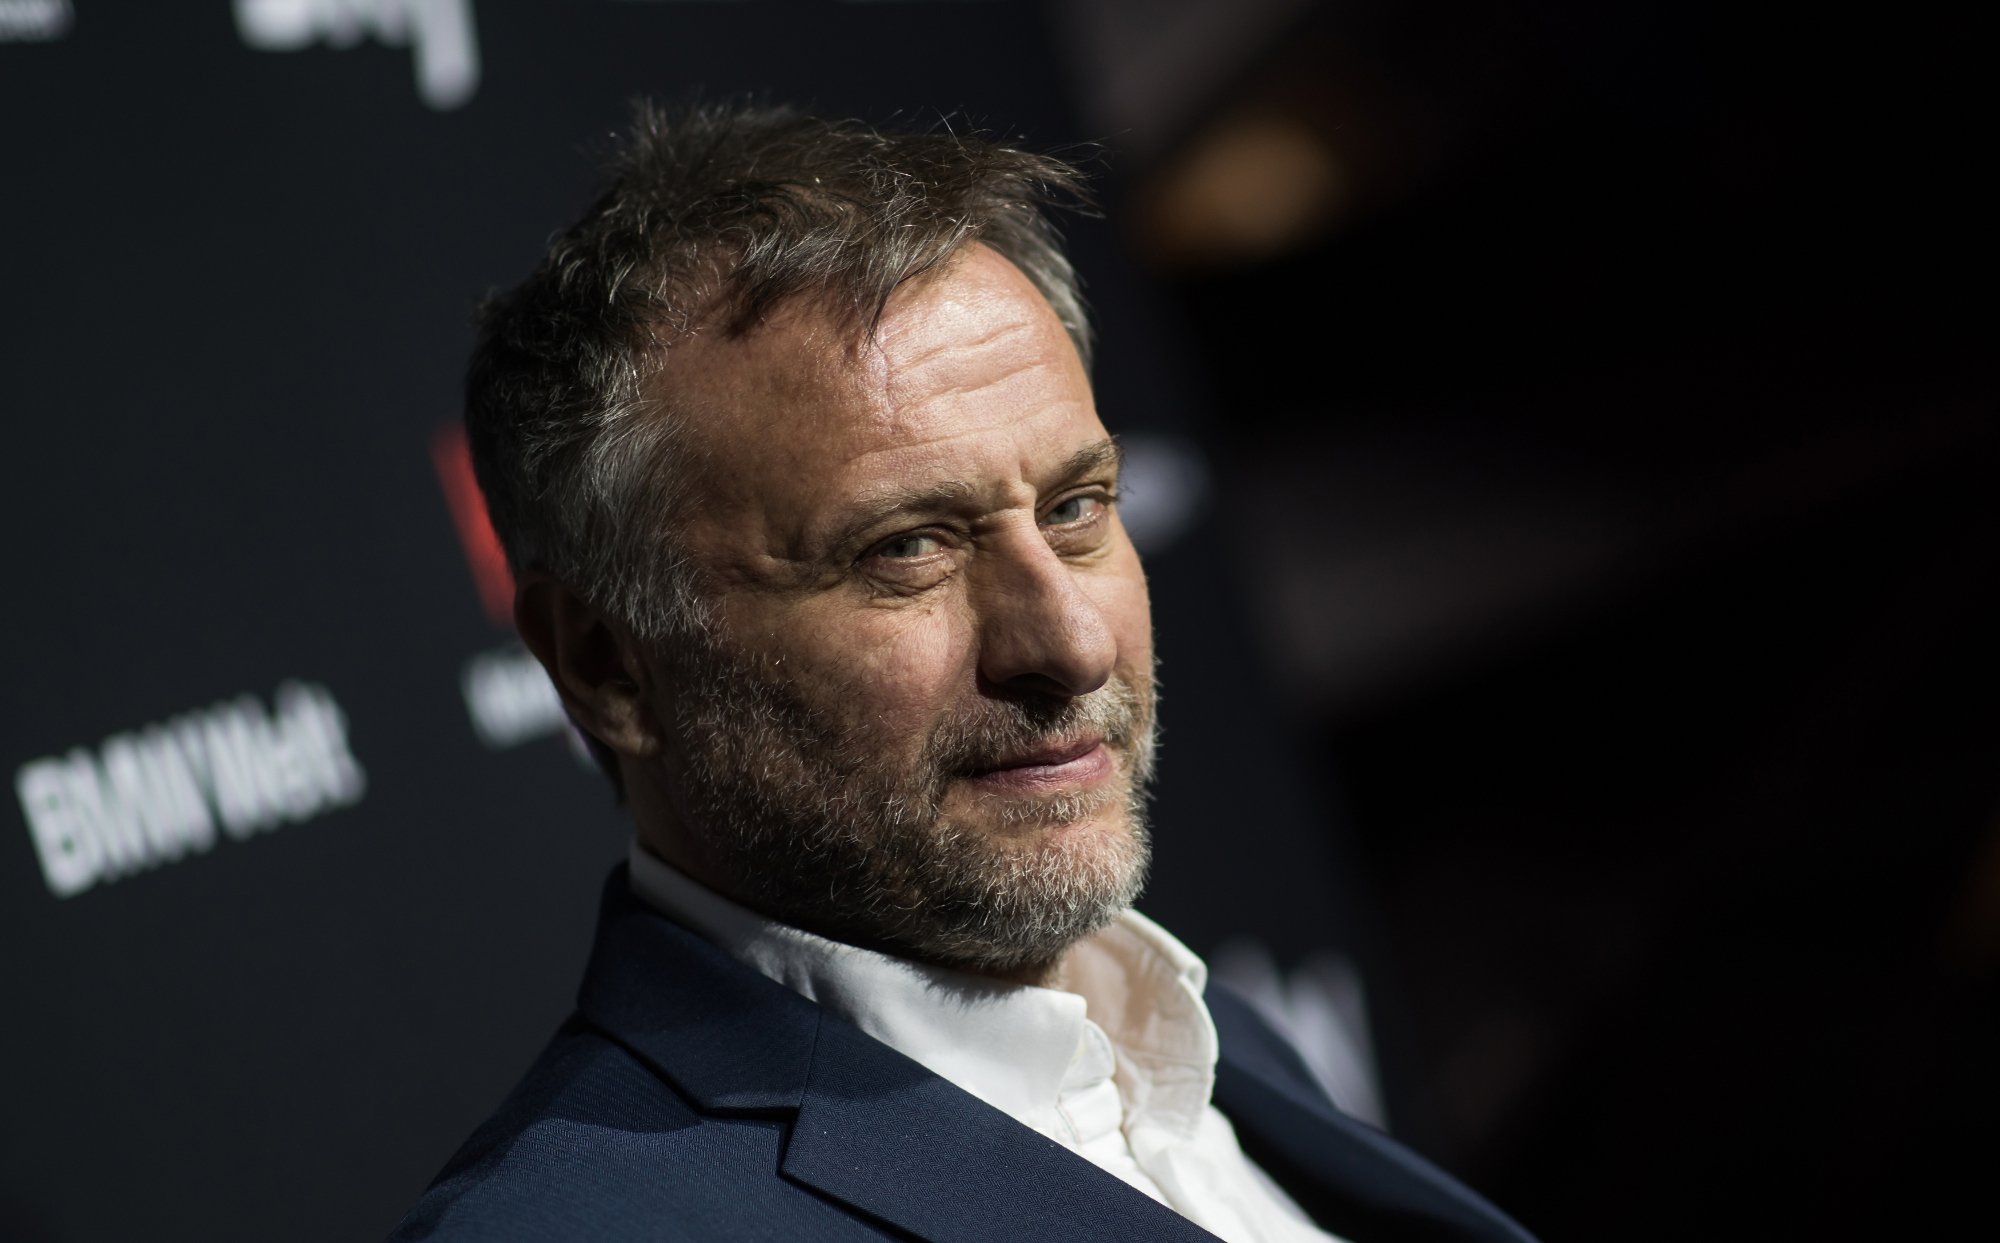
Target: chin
(1098, 811)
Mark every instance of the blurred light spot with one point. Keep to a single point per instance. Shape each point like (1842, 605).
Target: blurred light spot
(510, 698)
(1322, 1008)
(1162, 489)
(35, 21)
(1250, 187)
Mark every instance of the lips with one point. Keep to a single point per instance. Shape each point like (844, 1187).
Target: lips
(1047, 755)
(1048, 768)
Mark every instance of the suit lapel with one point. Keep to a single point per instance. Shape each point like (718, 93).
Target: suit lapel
(728, 1038)
(1374, 1190)
(879, 1132)
(874, 1130)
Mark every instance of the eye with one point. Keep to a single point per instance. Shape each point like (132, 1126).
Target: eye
(1078, 524)
(1081, 508)
(910, 562)
(911, 547)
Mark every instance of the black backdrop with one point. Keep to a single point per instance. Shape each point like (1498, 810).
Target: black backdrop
(284, 914)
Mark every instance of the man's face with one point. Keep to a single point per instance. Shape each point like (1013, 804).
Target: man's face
(924, 717)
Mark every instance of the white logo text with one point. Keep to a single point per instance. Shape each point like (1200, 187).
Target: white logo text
(156, 794)
(438, 32)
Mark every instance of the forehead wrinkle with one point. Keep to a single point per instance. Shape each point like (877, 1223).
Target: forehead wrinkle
(1005, 385)
(908, 427)
(926, 355)
(908, 393)
(913, 346)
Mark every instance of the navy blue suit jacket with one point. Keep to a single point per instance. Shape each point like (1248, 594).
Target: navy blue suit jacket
(691, 1098)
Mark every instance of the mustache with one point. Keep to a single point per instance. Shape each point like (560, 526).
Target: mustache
(983, 736)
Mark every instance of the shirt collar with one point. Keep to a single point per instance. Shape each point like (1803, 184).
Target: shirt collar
(1144, 988)
(1010, 1045)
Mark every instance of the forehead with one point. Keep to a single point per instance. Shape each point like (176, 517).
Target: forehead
(969, 370)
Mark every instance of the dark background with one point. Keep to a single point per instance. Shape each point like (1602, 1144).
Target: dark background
(1574, 554)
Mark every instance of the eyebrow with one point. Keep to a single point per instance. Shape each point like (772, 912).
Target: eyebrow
(1092, 458)
(876, 506)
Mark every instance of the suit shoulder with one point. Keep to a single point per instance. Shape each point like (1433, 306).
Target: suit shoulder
(585, 1099)
(593, 1145)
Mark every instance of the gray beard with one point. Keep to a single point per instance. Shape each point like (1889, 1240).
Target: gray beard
(818, 827)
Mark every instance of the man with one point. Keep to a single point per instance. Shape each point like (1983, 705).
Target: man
(792, 448)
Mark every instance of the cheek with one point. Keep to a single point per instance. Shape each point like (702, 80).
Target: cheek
(889, 673)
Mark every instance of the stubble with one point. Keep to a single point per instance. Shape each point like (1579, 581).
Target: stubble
(816, 823)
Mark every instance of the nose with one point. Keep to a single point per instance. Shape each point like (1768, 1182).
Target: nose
(1039, 630)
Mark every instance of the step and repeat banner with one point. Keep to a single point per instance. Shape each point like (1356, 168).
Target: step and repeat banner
(298, 863)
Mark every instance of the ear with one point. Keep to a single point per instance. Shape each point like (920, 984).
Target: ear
(595, 664)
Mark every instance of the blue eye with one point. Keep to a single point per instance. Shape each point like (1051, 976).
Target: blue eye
(908, 547)
(1075, 509)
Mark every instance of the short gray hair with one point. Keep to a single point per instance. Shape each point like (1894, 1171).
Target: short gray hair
(713, 217)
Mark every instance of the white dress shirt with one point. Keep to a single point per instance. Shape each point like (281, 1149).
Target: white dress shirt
(1116, 1065)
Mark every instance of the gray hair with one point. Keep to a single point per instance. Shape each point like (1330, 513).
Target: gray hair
(714, 216)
